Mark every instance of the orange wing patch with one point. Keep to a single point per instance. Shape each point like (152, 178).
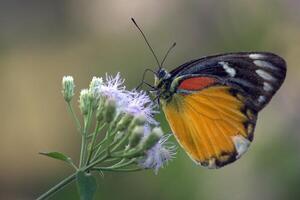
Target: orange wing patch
(212, 125)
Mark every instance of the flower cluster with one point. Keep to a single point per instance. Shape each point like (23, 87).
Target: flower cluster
(129, 118)
(118, 133)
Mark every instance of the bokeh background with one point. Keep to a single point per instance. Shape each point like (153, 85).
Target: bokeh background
(41, 41)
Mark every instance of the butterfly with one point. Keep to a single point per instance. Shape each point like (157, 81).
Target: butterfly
(212, 103)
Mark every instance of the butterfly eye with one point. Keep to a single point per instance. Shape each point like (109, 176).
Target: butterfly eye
(163, 74)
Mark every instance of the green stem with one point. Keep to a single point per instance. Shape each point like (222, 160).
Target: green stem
(118, 170)
(123, 164)
(83, 150)
(69, 179)
(128, 154)
(97, 129)
(83, 144)
(57, 187)
(98, 154)
(99, 145)
(119, 143)
(77, 122)
(74, 166)
(94, 163)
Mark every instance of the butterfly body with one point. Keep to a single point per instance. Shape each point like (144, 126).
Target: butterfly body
(211, 103)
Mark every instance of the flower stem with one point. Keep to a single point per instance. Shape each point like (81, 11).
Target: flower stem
(81, 151)
(84, 138)
(77, 122)
(97, 129)
(118, 170)
(68, 180)
(99, 145)
(57, 187)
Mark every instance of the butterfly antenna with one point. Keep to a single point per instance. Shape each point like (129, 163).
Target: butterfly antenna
(143, 79)
(169, 50)
(151, 49)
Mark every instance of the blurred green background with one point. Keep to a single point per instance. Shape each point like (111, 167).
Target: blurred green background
(41, 41)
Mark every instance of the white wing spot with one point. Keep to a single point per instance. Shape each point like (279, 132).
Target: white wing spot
(255, 56)
(261, 99)
(267, 87)
(212, 163)
(265, 75)
(241, 145)
(228, 69)
(264, 64)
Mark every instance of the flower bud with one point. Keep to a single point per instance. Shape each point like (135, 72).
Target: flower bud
(84, 101)
(109, 111)
(68, 88)
(124, 122)
(152, 138)
(94, 91)
(99, 112)
(137, 121)
(136, 136)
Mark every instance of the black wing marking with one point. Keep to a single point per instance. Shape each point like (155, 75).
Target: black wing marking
(257, 75)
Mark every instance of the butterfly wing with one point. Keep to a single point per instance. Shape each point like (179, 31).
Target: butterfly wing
(214, 107)
(258, 75)
(212, 125)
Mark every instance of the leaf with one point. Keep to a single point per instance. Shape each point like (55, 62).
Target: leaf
(86, 185)
(58, 156)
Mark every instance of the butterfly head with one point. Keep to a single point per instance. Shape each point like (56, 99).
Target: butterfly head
(161, 76)
(162, 84)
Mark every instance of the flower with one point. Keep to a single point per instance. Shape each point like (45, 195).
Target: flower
(159, 155)
(95, 83)
(135, 103)
(140, 104)
(137, 106)
(84, 101)
(68, 87)
(151, 139)
(136, 136)
(112, 88)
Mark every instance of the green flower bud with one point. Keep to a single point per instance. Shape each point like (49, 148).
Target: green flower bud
(152, 138)
(116, 120)
(136, 136)
(84, 101)
(99, 112)
(124, 122)
(137, 121)
(109, 110)
(68, 88)
(93, 90)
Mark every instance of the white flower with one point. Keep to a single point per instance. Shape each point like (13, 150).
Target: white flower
(112, 88)
(136, 103)
(159, 155)
(139, 103)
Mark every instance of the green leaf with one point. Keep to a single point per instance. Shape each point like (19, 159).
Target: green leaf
(86, 185)
(58, 156)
